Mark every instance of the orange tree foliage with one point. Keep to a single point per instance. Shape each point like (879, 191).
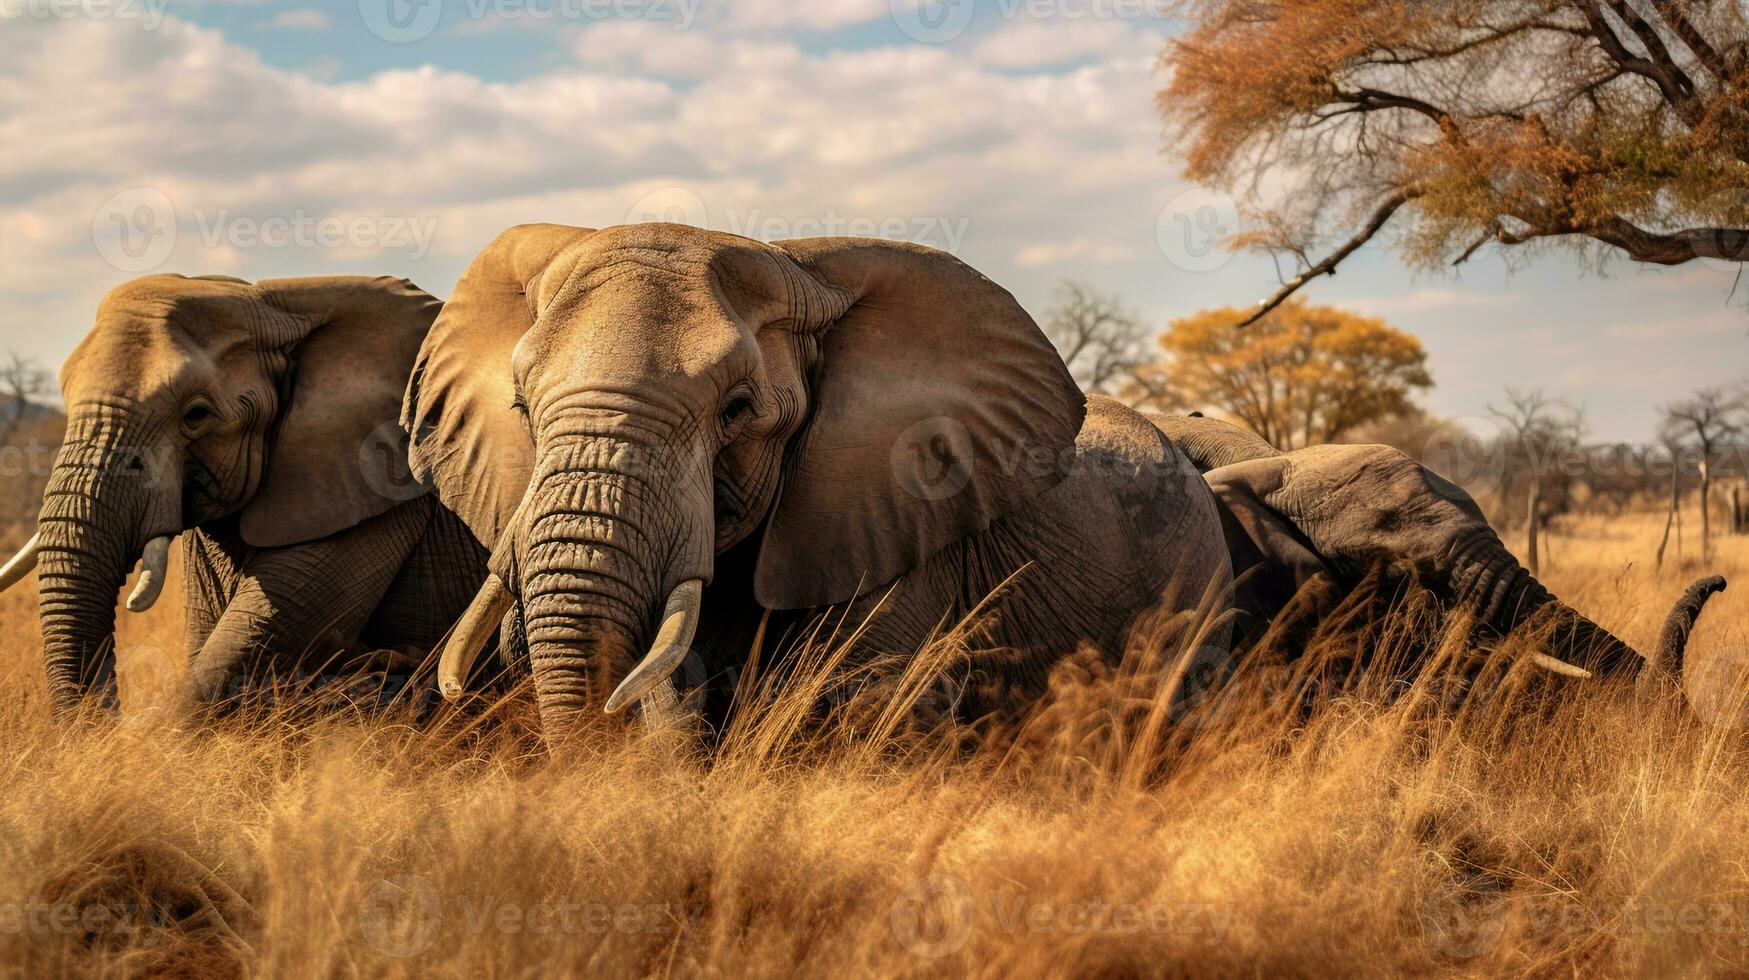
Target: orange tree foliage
(1467, 123)
(1301, 375)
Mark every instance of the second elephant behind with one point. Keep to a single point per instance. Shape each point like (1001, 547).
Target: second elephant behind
(1303, 527)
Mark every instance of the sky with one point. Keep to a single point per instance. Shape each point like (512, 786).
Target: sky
(266, 139)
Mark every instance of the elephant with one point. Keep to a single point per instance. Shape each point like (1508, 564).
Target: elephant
(1304, 526)
(260, 423)
(663, 433)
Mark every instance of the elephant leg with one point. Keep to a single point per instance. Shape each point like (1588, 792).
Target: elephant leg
(305, 606)
(439, 578)
(212, 568)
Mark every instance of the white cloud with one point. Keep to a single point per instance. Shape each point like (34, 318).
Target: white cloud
(1429, 301)
(1716, 323)
(817, 15)
(772, 140)
(1037, 43)
(1056, 253)
(304, 19)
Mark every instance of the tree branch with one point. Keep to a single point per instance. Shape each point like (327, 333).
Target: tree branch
(1328, 267)
(1655, 248)
(1707, 54)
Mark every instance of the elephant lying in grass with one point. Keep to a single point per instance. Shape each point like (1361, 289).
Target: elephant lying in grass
(1303, 527)
(259, 423)
(650, 422)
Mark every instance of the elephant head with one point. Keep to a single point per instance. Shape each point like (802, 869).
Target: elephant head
(1358, 506)
(193, 400)
(610, 410)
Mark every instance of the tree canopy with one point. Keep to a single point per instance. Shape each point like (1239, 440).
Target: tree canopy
(1464, 124)
(1302, 375)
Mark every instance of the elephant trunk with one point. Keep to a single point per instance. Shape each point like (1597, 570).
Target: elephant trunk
(1503, 594)
(90, 532)
(1673, 638)
(609, 538)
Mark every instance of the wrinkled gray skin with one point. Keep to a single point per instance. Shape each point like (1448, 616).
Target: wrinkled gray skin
(1312, 522)
(248, 419)
(817, 423)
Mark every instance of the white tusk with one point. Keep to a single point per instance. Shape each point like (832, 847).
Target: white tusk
(21, 563)
(470, 636)
(673, 640)
(154, 563)
(1557, 666)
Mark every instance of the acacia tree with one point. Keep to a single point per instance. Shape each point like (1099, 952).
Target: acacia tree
(1537, 428)
(1101, 341)
(1460, 124)
(23, 380)
(1303, 375)
(1705, 421)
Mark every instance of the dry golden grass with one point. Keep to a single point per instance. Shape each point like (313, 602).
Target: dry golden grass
(1532, 830)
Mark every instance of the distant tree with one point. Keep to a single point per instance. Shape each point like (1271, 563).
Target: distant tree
(1302, 375)
(1601, 124)
(1705, 421)
(1101, 341)
(24, 379)
(1537, 430)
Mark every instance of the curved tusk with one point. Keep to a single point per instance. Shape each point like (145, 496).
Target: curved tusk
(1555, 665)
(673, 640)
(21, 563)
(154, 564)
(470, 636)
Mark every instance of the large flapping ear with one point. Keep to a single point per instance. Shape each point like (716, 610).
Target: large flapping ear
(468, 442)
(938, 406)
(338, 455)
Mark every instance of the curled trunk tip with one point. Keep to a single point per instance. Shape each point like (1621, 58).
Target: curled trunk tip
(1673, 638)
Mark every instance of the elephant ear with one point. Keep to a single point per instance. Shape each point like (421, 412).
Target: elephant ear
(468, 442)
(339, 456)
(1210, 444)
(938, 407)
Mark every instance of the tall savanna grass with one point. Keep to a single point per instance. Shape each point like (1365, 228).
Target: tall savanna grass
(1312, 819)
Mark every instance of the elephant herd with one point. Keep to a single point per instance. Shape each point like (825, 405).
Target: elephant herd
(611, 450)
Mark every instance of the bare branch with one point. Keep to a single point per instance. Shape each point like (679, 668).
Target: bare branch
(1328, 266)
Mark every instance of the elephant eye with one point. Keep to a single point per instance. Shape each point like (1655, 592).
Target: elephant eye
(196, 415)
(736, 410)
